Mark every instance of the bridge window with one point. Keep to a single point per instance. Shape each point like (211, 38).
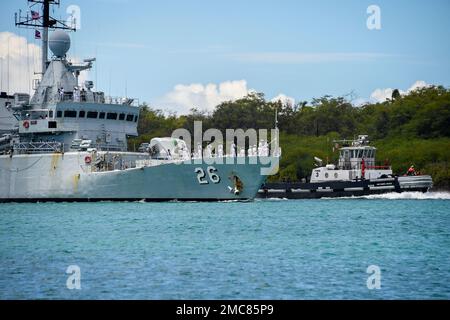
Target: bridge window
(82, 114)
(135, 118)
(59, 114)
(50, 114)
(52, 125)
(130, 117)
(92, 114)
(70, 114)
(111, 116)
(102, 115)
(122, 116)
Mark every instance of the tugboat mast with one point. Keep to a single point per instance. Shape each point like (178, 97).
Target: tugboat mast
(44, 22)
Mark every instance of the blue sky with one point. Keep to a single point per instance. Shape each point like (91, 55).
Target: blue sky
(302, 49)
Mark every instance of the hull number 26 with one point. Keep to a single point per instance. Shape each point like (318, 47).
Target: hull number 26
(212, 175)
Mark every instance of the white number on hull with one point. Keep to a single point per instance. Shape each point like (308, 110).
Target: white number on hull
(201, 176)
(212, 174)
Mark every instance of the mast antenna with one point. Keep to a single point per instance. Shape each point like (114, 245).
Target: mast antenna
(42, 21)
(276, 118)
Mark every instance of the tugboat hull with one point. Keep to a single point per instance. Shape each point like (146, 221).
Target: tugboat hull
(334, 189)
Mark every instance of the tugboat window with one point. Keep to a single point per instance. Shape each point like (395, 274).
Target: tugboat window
(92, 114)
(82, 114)
(122, 116)
(102, 115)
(59, 114)
(129, 117)
(50, 114)
(70, 114)
(111, 116)
(135, 118)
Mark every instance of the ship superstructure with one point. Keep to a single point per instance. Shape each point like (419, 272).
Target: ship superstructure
(356, 161)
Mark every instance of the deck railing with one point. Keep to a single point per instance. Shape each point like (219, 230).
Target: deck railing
(38, 147)
(94, 97)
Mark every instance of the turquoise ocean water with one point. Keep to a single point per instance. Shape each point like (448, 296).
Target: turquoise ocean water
(271, 249)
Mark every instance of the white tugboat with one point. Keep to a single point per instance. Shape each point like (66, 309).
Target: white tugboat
(69, 143)
(356, 174)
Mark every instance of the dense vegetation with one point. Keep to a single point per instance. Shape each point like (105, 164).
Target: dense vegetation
(408, 129)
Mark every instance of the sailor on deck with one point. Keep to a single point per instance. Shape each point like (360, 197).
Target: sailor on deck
(76, 94)
(411, 171)
(61, 93)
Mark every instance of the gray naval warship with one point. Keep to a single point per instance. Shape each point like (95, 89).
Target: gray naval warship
(69, 143)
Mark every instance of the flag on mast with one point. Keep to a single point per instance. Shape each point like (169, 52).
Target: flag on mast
(35, 15)
(37, 34)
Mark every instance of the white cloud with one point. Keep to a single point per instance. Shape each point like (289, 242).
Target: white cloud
(418, 85)
(284, 99)
(204, 97)
(23, 59)
(381, 95)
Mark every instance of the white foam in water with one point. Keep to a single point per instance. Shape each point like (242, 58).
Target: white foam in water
(407, 196)
(271, 199)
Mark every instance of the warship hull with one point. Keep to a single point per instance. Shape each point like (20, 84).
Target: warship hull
(66, 177)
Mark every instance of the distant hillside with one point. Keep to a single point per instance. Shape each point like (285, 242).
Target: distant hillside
(410, 129)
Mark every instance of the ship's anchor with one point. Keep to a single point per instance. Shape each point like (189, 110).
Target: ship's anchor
(237, 183)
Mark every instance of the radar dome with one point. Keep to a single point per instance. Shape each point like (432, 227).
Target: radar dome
(59, 43)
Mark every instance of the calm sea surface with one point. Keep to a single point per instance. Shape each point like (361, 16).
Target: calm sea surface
(271, 249)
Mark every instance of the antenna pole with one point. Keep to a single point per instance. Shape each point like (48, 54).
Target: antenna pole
(276, 118)
(46, 24)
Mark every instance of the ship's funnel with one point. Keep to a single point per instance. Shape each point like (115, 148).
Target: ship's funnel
(59, 43)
